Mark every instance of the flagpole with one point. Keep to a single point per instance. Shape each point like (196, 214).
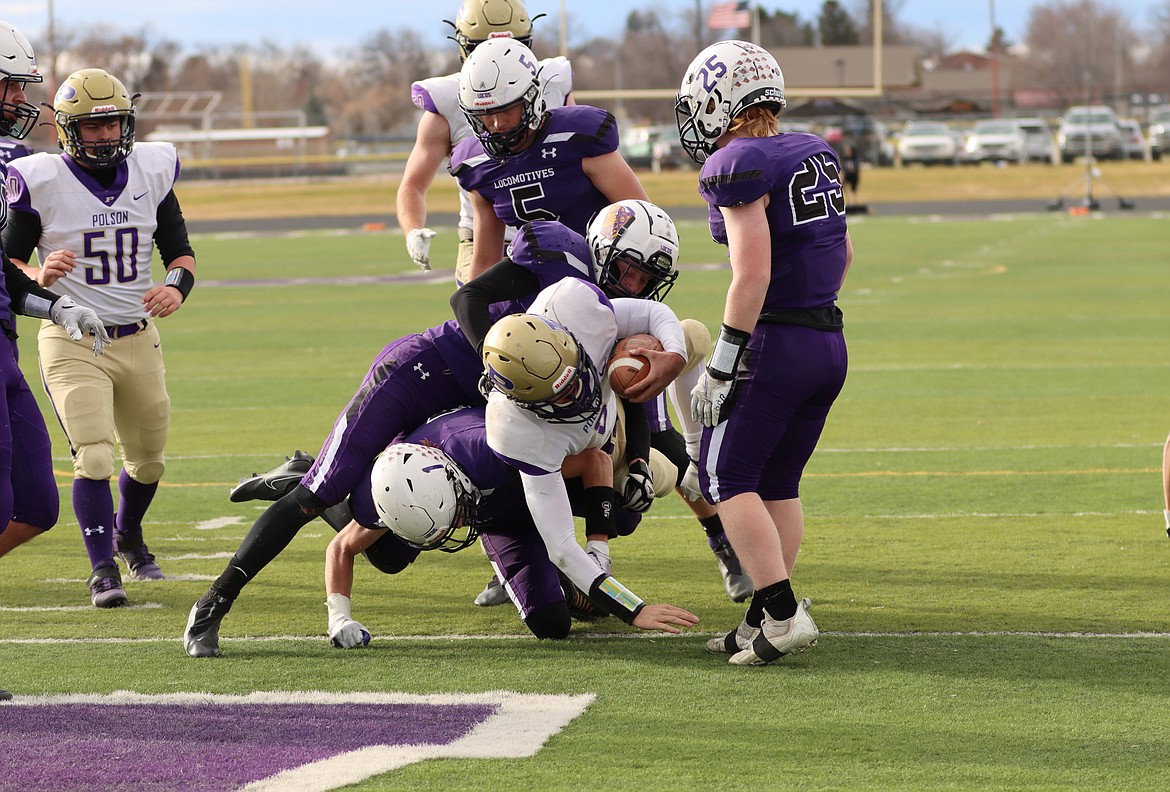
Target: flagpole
(755, 10)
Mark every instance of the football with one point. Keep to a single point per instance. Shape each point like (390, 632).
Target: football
(626, 367)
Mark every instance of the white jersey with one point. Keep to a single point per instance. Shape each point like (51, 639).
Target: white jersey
(441, 95)
(111, 230)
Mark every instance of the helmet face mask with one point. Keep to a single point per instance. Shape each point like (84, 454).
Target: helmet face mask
(540, 366)
(18, 68)
(424, 498)
(86, 97)
(722, 81)
(629, 237)
(502, 76)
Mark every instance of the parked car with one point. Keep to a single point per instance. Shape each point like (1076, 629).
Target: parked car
(1133, 142)
(994, 140)
(1089, 129)
(928, 142)
(1160, 131)
(654, 147)
(1038, 142)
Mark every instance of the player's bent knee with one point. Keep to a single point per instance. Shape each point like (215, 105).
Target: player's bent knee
(94, 461)
(551, 622)
(150, 472)
(698, 339)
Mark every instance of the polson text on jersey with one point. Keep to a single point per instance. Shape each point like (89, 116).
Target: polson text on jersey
(111, 219)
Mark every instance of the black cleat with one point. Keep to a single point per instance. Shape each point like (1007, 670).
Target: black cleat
(276, 483)
(201, 638)
(5, 695)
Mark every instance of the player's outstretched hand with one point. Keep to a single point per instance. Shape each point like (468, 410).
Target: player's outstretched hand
(418, 245)
(665, 617)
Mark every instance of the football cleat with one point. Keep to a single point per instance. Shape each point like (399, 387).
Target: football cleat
(274, 484)
(493, 594)
(201, 638)
(735, 641)
(105, 587)
(736, 582)
(581, 607)
(5, 695)
(778, 638)
(139, 561)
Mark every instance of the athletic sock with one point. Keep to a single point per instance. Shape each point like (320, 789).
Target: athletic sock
(778, 600)
(712, 525)
(93, 504)
(134, 498)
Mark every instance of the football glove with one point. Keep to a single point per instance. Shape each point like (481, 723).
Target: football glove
(599, 552)
(711, 399)
(77, 321)
(690, 484)
(418, 245)
(344, 632)
(638, 487)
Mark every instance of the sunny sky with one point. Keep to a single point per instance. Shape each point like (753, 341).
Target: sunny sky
(967, 23)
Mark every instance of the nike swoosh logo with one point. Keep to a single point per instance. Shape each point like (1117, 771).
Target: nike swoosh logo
(136, 197)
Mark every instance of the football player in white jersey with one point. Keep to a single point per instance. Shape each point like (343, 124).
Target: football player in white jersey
(547, 401)
(93, 215)
(29, 502)
(443, 124)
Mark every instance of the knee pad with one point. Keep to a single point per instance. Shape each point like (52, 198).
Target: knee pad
(670, 445)
(94, 461)
(150, 472)
(698, 342)
(550, 622)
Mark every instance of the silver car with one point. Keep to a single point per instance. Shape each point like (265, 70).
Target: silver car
(1039, 144)
(927, 142)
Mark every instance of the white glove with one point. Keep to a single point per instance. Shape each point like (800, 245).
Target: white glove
(638, 487)
(599, 552)
(77, 320)
(418, 245)
(709, 399)
(690, 484)
(344, 632)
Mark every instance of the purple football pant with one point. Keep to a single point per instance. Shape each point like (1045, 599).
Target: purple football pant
(524, 569)
(407, 384)
(783, 395)
(28, 491)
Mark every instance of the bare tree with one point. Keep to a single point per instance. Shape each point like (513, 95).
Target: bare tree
(1080, 50)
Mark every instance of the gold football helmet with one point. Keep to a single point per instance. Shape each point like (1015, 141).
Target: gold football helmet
(93, 94)
(480, 20)
(540, 366)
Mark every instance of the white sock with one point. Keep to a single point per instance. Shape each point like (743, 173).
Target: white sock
(1167, 513)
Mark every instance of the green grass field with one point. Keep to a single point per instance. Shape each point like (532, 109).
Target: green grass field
(984, 547)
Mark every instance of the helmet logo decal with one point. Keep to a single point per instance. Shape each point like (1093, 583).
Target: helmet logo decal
(566, 377)
(617, 219)
(65, 93)
(500, 381)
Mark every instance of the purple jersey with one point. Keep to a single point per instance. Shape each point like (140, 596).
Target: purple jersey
(552, 251)
(806, 212)
(545, 181)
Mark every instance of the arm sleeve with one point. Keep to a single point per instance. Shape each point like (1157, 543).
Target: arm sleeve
(21, 234)
(171, 234)
(648, 316)
(637, 427)
(504, 280)
(27, 297)
(548, 500)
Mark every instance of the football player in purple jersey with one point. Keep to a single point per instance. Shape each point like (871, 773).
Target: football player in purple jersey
(527, 161)
(440, 487)
(29, 501)
(780, 360)
(443, 124)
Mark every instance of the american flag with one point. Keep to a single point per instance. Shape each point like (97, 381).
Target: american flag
(728, 15)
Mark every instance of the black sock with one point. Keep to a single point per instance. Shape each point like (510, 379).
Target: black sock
(778, 600)
(230, 582)
(712, 525)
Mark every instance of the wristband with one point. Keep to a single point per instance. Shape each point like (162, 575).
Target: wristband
(182, 279)
(616, 598)
(728, 350)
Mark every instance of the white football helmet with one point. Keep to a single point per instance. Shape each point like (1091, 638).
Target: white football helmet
(630, 236)
(480, 20)
(540, 366)
(424, 497)
(18, 66)
(722, 81)
(499, 75)
(93, 94)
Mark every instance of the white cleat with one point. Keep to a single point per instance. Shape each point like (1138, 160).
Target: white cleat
(778, 638)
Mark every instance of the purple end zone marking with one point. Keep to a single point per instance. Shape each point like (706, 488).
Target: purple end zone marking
(205, 747)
